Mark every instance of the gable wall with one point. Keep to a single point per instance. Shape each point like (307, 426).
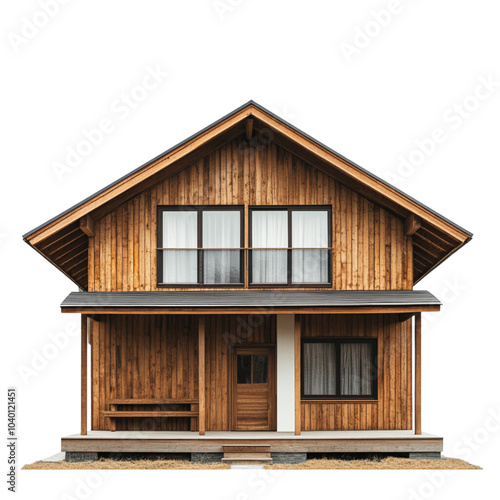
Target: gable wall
(370, 249)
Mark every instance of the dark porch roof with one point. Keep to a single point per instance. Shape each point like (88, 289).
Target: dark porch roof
(235, 301)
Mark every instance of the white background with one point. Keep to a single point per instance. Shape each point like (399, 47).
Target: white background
(66, 76)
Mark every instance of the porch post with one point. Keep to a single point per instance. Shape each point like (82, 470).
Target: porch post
(418, 373)
(83, 430)
(201, 374)
(298, 425)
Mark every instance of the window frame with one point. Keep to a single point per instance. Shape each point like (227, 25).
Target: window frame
(200, 250)
(289, 209)
(338, 341)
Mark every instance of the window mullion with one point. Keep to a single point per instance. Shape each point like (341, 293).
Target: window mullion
(337, 368)
(289, 251)
(200, 245)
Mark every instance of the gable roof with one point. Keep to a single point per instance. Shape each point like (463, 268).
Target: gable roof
(435, 237)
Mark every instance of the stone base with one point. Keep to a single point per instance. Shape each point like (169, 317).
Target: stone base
(430, 455)
(72, 456)
(206, 458)
(288, 458)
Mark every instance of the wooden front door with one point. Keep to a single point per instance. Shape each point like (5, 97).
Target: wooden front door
(254, 389)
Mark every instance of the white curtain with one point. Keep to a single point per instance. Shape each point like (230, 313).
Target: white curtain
(309, 230)
(221, 229)
(180, 230)
(319, 369)
(269, 230)
(355, 369)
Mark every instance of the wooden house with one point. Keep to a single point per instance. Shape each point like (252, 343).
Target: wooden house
(250, 290)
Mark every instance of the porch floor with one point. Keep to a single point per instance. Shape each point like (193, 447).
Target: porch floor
(212, 442)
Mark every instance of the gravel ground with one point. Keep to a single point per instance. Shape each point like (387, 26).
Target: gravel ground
(388, 463)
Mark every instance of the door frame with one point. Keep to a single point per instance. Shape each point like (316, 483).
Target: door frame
(234, 350)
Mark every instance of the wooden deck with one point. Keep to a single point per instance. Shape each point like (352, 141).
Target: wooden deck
(212, 442)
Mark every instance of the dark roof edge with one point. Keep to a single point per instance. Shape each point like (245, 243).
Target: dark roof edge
(276, 117)
(378, 298)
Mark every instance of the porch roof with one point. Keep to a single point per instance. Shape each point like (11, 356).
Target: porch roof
(251, 301)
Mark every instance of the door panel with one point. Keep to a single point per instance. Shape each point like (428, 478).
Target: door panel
(254, 393)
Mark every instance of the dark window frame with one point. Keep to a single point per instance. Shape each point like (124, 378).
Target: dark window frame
(338, 341)
(289, 209)
(200, 250)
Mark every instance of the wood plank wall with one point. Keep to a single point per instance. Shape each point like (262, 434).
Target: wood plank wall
(143, 357)
(371, 251)
(147, 356)
(393, 410)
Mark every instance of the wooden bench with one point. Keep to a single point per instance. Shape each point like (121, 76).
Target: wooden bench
(116, 412)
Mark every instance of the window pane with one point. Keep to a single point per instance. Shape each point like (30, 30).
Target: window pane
(319, 369)
(357, 369)
(269, 230)
(222, 266)
(260, 368)
(269, 266)
(310, 230)
(180, 266)
(244, 368)
(180, 230)
(310, 266)
(221, 229)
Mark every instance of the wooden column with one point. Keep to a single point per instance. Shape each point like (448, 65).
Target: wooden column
(297, 375)
(84, 377)
(201, 374)
(418, 373)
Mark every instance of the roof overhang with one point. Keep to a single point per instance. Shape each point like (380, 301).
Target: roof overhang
(251, 302)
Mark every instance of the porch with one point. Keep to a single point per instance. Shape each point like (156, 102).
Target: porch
(149, 360)
(396, 441)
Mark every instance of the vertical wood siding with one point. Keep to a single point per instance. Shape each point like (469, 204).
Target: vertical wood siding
(156, 356)
(370, 252)
(393, 409)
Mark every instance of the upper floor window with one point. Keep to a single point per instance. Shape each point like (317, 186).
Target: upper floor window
(200, 245)
(290, 246)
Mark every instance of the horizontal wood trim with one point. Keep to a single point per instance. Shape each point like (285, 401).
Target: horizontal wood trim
(340, 401)
(249, 310)
(300, 444)
(133, 414)
(160, 401)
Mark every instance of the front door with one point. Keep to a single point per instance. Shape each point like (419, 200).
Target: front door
(254, 389)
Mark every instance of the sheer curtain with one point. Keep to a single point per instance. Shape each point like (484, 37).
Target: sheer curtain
(269, 230)
(319, 369)
(180, 230)
(309, 230)
(221, 229)
(356, 372)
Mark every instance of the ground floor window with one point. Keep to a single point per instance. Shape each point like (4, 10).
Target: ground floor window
(339, 368)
